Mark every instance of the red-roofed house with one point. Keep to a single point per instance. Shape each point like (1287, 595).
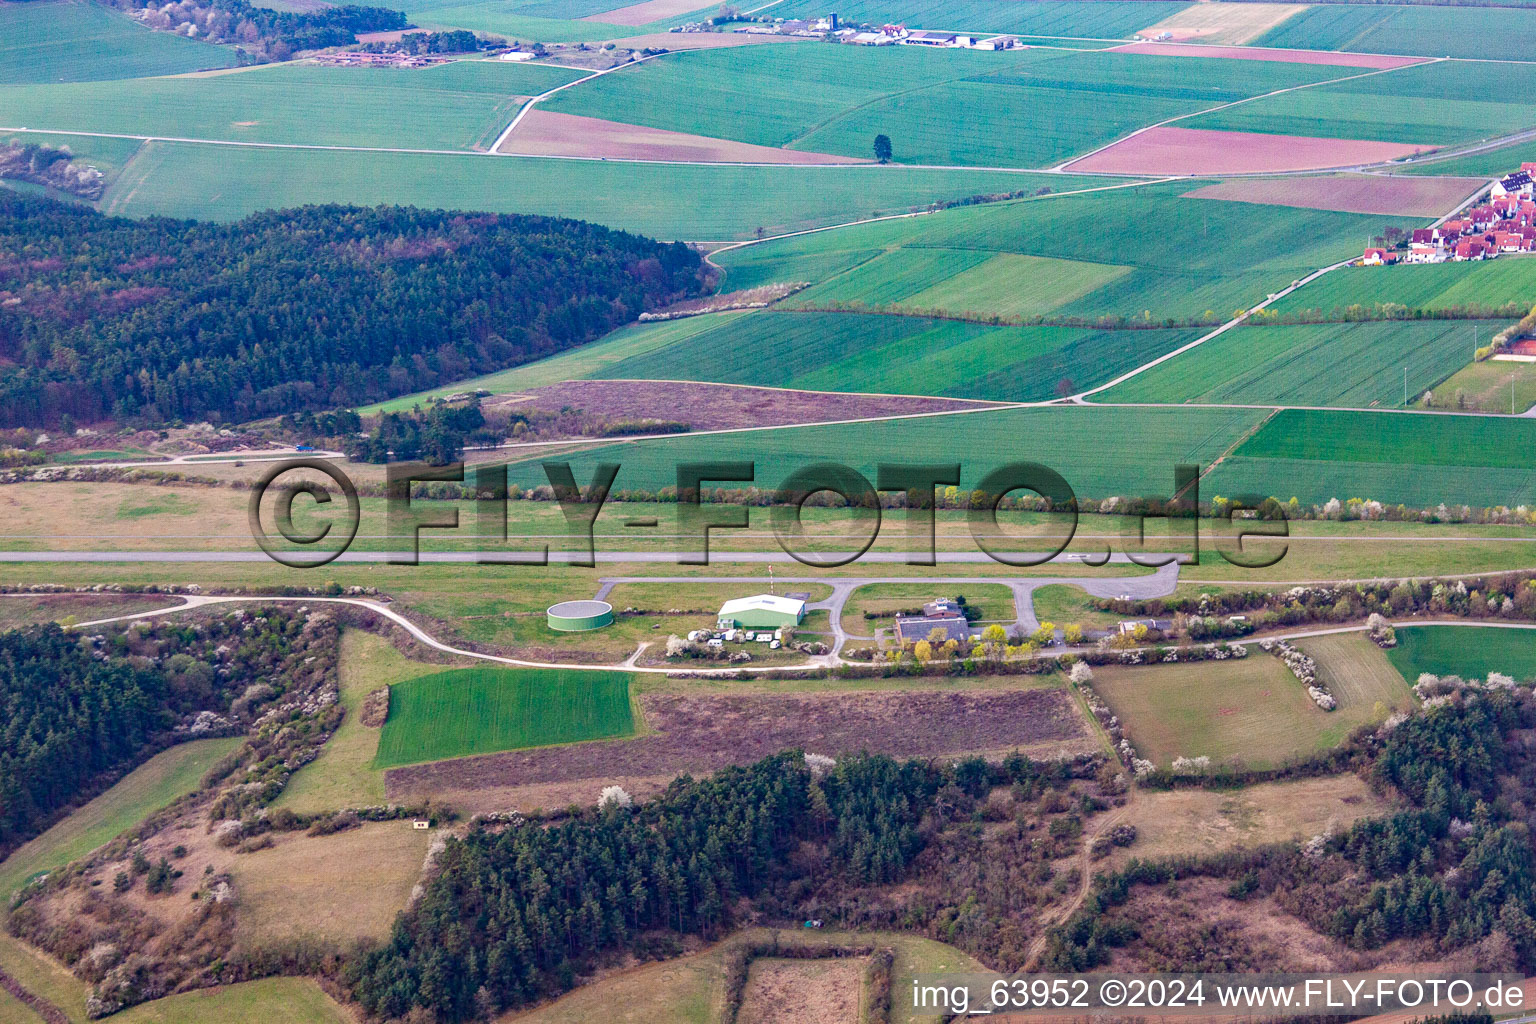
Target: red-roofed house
(1378, 257)
(1420, 252)
(1469, 249)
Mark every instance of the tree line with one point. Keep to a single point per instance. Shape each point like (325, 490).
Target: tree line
(514, 916)
(75, 710)
(321, 307)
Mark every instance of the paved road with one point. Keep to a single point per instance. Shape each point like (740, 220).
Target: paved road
(555, 557)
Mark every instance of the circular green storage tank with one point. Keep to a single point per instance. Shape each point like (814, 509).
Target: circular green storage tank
(575, 616)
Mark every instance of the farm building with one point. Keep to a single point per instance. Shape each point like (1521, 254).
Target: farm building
(761, 611)
(943, 608)
(923, 38)
(920, 629)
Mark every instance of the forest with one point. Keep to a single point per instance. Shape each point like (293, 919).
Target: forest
(514, 916)
(161, 320)
(75, 710)
(261, 31)
(1453, 870)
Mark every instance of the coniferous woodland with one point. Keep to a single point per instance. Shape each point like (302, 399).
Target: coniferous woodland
(321, 307)
(76, 709)
(1454, 869)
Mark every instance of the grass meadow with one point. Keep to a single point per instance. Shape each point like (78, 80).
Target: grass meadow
(1489, 386)
(944, 107)
(1427, 104)
(151, 786)
(1415, 29)
(224, 183)
(461, 105)
(344, 775)
(483, 710)
(900, 355)
(78, 41)
(312, 886)
(1464, 651)
(1432, 286)
(1358, 365)
(1251, 710)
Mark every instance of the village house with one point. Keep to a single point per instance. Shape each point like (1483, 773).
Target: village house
(1505, 224)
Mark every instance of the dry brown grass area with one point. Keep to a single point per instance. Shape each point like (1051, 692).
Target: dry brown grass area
(692, 733)
(339, 887)
(719, 406)
(1202, 821)
(804, 991)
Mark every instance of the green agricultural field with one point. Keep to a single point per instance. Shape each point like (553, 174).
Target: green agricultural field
(151, 786)
(483, 710)
(77, 41)
(964, 281)
(937, 107)
(1359, 365)
(1428, 30)
(1464, 651)
(1071, 18)
(460, 105)
(1493, 385)
(1101, 452)
(1487, 284)
(1427, 440)
(1013, 284)
(1417, 459)
(1188, 258)
(1427, 104)
(1251, 710)
(223, 183)
(901, 355)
